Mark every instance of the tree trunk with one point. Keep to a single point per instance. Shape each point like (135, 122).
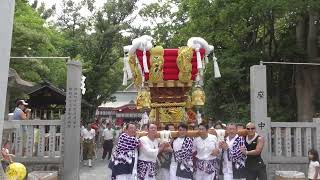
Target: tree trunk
(312, 47)
(307, 76)
(304, 93)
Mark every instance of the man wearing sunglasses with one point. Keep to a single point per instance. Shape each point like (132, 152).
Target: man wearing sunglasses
(254, 164)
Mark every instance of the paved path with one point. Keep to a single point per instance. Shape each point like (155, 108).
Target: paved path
(99, 171)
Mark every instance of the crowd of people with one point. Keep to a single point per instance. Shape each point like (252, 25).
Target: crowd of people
(203, 157)
(211, 155)
(97, 135)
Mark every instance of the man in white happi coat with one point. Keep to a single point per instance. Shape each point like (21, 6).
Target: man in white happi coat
(148, 153)
(181, 167)
(233, 160)
(206, 147)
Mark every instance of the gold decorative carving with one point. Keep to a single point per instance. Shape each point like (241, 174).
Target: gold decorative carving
(172, 114)
(156, 63)
(184, 63)
(154, 105)
(198, 97)
(143, 99)
(189, 103)
(137, 77)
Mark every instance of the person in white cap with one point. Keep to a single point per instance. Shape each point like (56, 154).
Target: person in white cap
(22, 113)
(19, 112)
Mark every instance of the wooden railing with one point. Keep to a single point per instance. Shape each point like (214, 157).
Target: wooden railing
(35, 140)
(291, 141)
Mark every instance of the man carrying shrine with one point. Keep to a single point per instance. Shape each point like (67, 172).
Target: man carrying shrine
(124, 157)
(206, 147)
(148, 153)
(233, 160)
(181, 167)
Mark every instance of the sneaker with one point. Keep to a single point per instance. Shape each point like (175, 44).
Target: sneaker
(89, 163)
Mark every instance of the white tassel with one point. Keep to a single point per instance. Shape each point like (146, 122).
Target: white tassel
(199, 119)
(203, 65)
(125, 78)
(145, 63)
(140, 70)
(216, 67)
(199, 62)
(198, 77)
(206, 59)
(145, 118)
(127, 67)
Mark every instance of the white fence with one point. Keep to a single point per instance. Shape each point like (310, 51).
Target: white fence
(35, 140)
(291, 141)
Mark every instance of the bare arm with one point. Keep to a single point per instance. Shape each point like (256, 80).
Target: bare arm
(259, 147)
(23, 116)
(216, 150)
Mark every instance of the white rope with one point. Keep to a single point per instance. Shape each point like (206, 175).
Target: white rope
(217, 73)
(290, 63)
(38, 57)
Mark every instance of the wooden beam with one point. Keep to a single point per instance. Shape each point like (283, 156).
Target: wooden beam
(174, 134)
(191, 133)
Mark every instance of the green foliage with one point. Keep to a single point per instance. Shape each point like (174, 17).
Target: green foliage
(32, 37)
(94, 40)
(100, 51)
(244, 32)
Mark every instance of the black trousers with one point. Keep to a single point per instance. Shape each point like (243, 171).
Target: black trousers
(107, 148)
(4, 164)
(258, 171)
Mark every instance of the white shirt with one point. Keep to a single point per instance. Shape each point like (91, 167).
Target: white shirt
(148, 149)
(204, 147)
(177, 145)
(220, 134)
(118, 131)
(107, 134)
(312, 169)
(88, 134)
(227, 165)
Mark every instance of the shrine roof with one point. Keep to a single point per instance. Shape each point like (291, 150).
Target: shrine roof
(46, 94)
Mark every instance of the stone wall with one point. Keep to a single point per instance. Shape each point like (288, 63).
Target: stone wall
(301, 167)
(44, 167)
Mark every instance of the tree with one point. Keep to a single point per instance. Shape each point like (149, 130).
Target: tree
(97, 42)
(245, 32)
(31, 37)
(307, 77)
